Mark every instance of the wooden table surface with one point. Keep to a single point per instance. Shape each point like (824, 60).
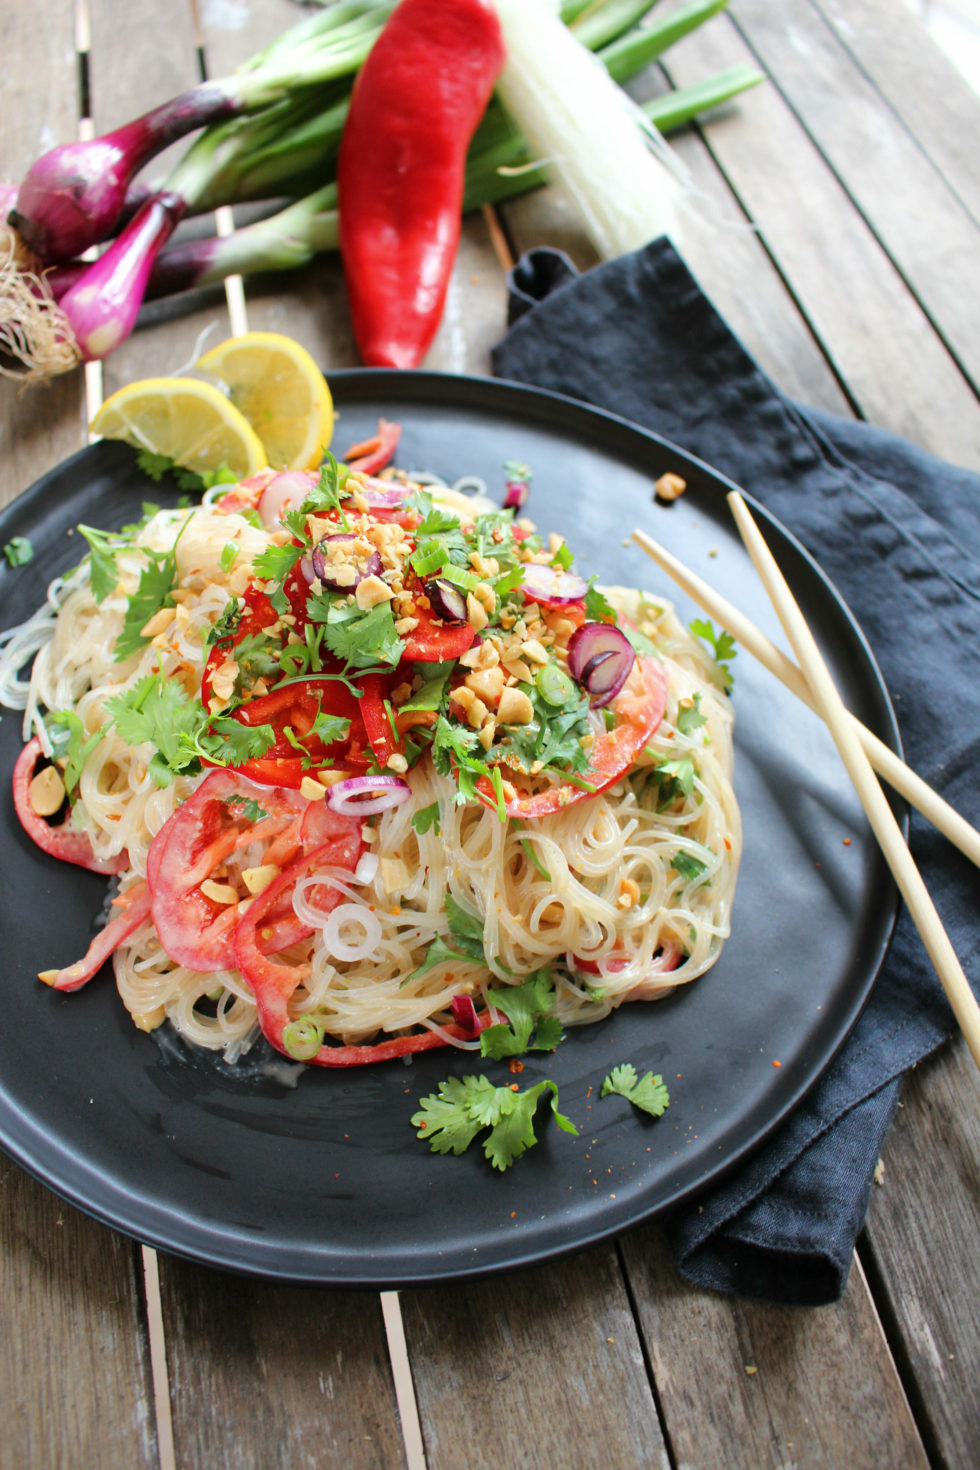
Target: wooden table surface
(856, 287)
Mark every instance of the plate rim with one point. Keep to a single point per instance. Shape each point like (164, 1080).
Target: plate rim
(487, 392)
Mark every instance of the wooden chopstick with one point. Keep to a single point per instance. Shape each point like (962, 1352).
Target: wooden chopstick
(894, 770)
(886, 829)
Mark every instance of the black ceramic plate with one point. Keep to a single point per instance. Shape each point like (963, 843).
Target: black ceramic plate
(325, 1181)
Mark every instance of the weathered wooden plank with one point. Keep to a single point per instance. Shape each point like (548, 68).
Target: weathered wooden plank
(723, 251)
(541, 1369)
(265, 1375)
(921, 1239)
(896, 368)
(743, 1384)
(74, 1370)
(882, 166)
(922, 85)
(140, 59)
(38, 108)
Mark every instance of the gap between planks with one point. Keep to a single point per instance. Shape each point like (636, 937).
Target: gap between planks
(390, 1306)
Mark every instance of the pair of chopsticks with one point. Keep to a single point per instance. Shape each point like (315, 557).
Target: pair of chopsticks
(860, 750)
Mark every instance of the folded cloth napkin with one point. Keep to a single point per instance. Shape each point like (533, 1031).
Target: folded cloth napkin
(639, 338)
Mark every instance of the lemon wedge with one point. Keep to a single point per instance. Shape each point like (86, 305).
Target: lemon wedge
(190, 422)
(282, 393)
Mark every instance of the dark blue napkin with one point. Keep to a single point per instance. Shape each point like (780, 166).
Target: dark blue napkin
(898, 532)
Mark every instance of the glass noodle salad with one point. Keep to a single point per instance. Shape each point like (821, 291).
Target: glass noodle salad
(372, 769)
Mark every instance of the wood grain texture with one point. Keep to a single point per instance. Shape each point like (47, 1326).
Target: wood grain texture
(139, 62)
(897, 371)
(742, 1384)
(922, 1245)
(270, 1376)
(38, 108)
(919, 82)
(881, 164)
(540, 1369)
(74, 1368)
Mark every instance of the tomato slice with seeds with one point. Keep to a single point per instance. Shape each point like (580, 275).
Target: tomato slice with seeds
(201, 836)
(638, 710)
(273, 982)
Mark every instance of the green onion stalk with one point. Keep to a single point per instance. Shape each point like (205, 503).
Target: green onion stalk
(287, 148)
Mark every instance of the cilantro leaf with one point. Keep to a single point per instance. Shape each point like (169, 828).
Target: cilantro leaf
(689, 716)
(427, 820)
(73, 744)
(158, 710)
(450, 1119)
(647, 1093)
(157, 581)
(276, 562)
(250, 808)
(361, 639)
(723, 647)
(675, 778)
(19, 551)
(464, 941)
(598, 608)
(528, 1008)
(103, 566)
(689, 867)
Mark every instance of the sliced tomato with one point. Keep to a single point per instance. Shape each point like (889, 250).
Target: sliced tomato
(274, 982)
(371, 455)
(434, 642)
(66, 841)
(574, 611)
(194, 929)
(638, 709)
(134, 907)
(246, 494)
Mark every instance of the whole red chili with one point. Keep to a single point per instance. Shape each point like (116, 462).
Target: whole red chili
(415, 106)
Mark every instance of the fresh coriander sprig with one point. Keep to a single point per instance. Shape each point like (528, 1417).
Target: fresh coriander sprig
(648, 1093)
(451, 1118)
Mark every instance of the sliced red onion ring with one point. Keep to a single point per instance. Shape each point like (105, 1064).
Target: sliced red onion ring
(383, 494)
(321, 567)
(600, 657)
(464, 1014)
(446, 599)
(288, 489)
(552, 583)
(362, 796)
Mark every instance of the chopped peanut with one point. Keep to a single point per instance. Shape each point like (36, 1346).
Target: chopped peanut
(219, 892)
(670, 487)
(533, 650)
(48, 976)
(312, 789)
(330, 778)
(157, 623)
(476, 713)
(487, 732)
(370, 591)
(476, 613)
(223, 680)
(629, 893)
(46, 792)
(487, 684)
(256, 880)
(515, 708)
(397, 763)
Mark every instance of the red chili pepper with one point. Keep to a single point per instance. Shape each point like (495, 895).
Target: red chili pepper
(415, 106)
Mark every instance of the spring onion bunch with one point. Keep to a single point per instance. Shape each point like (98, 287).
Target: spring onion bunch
(269, 132)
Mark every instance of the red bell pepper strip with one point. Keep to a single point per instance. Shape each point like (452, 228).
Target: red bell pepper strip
(414, 108)
(69, 843)
(134, 907)
(373, 454)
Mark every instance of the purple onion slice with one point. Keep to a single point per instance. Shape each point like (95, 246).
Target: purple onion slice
(287, 490)
(326, 570)
(552, 583)
(382, 494)
(446, 599)
(600, 658)
(464, 1014)
(362, 796)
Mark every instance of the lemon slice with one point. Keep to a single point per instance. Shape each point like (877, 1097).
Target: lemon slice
(282, 393)
(192, 423)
